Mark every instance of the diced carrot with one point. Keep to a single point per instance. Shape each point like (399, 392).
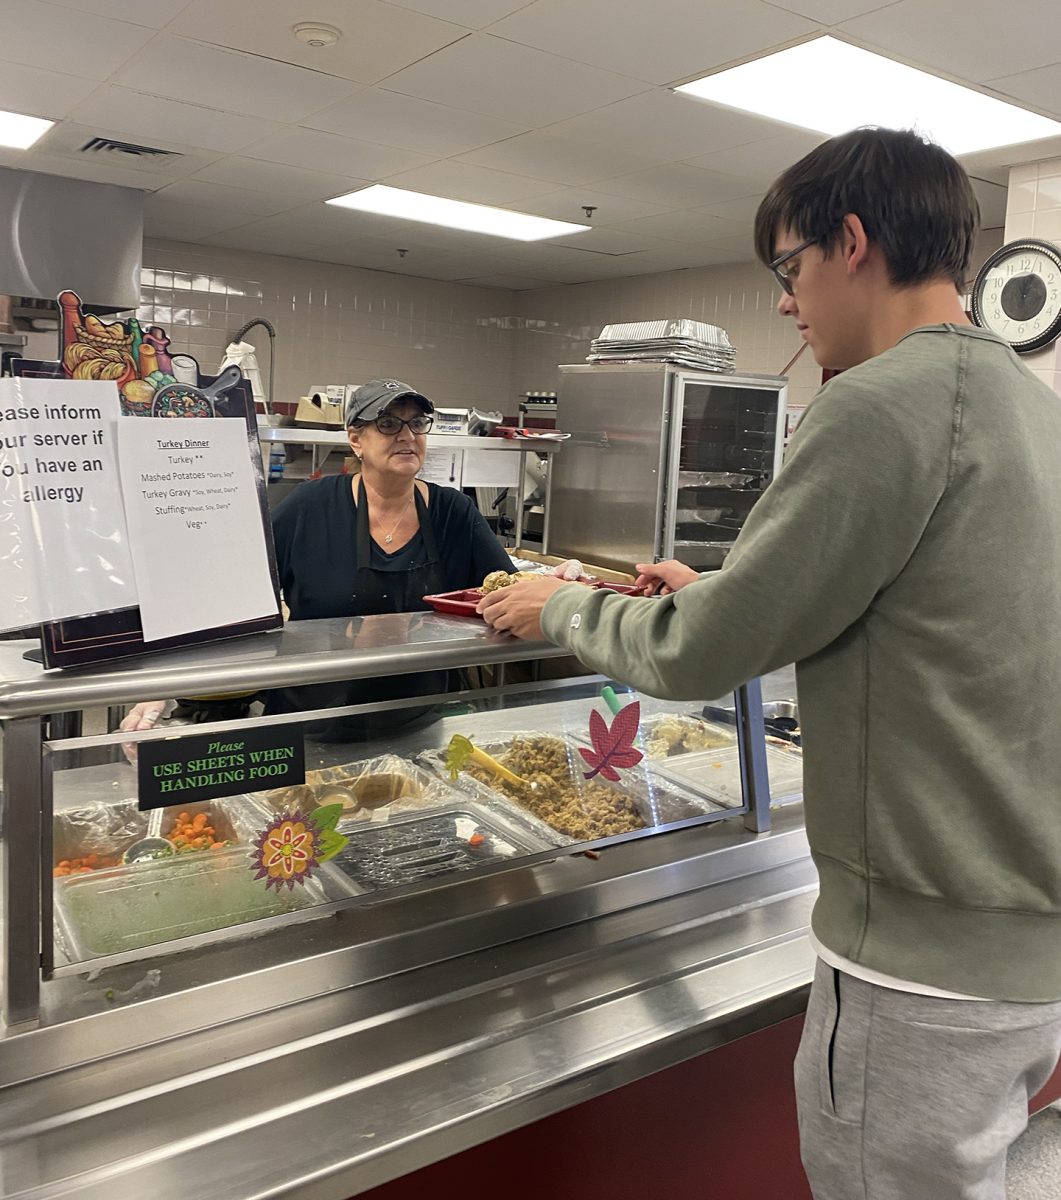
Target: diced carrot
(218, 846)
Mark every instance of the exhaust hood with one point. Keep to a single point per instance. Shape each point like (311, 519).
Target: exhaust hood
(58, 234)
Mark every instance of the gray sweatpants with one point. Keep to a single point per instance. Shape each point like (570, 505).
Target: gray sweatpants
(907, 1097)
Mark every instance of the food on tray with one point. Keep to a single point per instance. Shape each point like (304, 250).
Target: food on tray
(85, 865)
(683, 735)
(190, 833)
(555, 791)
(356, 793)
(502, 579)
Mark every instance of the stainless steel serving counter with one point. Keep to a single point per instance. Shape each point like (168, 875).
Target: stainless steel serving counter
(330, 1056)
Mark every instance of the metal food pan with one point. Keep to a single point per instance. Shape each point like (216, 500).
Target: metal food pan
(374, 788)
(715, 774)
(683, 733)
(108, 830)
(421, 846)
(656, 800)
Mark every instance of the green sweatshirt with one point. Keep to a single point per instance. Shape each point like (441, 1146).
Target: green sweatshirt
(908, 560)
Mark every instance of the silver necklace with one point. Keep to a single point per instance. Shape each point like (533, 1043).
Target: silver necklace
(389, 537)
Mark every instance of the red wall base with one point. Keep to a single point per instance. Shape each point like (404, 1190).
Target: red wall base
(719, 1127)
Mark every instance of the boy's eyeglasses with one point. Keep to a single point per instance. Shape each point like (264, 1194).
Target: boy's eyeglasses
(390, 425)
(777, 266)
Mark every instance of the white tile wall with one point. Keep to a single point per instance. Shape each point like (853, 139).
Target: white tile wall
(334, 324)
(558, 323)
(1033, 209)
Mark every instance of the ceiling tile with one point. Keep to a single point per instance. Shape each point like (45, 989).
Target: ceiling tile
(411, 124)
(686, 226)
(830, 12)
(472, 14)
(995, 39)
(566, 205)
(488, 75)
(511, 283)
(678, 184)
(309, 226)
(664, 41)
(741, 210)
(61, 164)
(264, 240)
(377, 38)
(154, 13)
(287, 183)
(39, 93)
(251, 203)
(150, 117)
(1041, 87)
(544, 154)
(462, 181)
(672, 126)
(319, 151)
(627, 240)
(67, 41)
(67, 139)
(230, 81)
(185, 222)
(762, 161)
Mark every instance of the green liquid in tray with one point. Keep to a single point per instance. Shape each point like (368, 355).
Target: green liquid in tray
(156, 902)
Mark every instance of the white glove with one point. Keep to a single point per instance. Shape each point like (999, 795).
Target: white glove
(144, 715)
(570, 570)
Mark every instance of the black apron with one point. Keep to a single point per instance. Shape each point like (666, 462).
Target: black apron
(376, 591)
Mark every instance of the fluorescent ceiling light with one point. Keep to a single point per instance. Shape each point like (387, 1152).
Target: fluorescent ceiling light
(19, 132)
(830, 86)
(454, 214)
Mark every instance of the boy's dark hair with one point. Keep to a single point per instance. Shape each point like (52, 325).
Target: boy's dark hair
(914, 200)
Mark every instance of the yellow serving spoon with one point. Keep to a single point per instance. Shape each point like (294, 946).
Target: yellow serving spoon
(461, 752)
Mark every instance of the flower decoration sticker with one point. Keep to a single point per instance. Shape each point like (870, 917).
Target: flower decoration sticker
(294, 845)
(613, 745)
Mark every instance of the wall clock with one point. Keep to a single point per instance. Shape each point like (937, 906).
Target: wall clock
(1017, 294)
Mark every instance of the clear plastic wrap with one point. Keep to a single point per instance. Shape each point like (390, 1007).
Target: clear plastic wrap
(556, 792)
(374, 789)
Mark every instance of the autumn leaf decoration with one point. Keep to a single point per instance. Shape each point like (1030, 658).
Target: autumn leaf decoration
(613, 746)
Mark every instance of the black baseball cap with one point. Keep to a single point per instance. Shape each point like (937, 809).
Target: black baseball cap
(370, 399)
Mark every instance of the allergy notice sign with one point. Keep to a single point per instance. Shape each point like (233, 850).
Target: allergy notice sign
(63, 543)
(191, 504)
(179, 770)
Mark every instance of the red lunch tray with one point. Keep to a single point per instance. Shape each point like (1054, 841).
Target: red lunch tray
(462, 603)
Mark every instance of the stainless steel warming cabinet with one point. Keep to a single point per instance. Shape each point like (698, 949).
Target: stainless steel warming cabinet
(662, 462)
(476, 956)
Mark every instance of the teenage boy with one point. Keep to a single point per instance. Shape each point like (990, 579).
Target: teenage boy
(908, 560)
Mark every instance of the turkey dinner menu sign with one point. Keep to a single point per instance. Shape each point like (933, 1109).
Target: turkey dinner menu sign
(191, 504)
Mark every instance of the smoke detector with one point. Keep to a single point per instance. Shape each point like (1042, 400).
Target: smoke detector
(310, 33)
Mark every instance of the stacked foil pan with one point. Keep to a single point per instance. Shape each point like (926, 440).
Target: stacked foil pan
(683, 342)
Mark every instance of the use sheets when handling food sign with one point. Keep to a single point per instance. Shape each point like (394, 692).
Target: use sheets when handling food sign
(195, 527)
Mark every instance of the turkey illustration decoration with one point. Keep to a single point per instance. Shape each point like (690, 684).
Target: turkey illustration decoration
(613, 745)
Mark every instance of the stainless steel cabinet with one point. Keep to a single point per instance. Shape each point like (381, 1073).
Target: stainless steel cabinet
(662, 462)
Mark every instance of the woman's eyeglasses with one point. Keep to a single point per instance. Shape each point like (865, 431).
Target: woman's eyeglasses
(781, 274)
(390, 425)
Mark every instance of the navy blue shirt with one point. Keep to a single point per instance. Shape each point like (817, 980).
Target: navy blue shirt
(315, 531)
